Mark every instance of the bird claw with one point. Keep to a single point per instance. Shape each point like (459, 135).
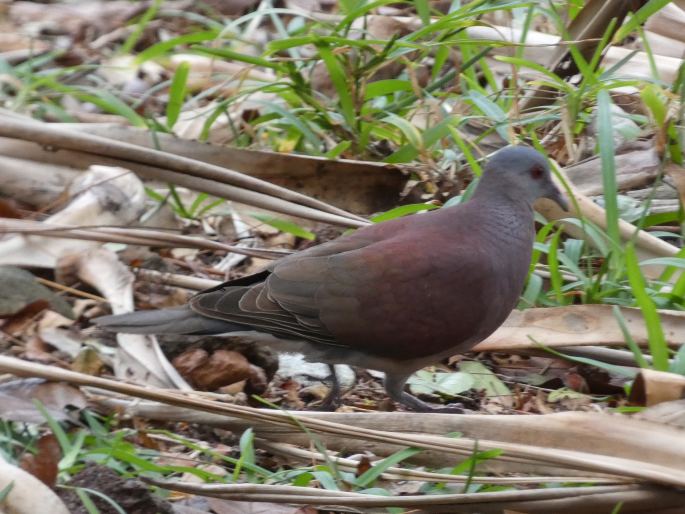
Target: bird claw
(329, 404)
(332, 400)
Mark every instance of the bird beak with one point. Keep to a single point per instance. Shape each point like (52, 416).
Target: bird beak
(558, 197)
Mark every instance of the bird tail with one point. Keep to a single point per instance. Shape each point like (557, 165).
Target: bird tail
(179, 320)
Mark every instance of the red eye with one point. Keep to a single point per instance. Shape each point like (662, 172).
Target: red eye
(537, 172)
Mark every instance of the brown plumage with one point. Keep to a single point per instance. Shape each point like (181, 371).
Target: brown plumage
(395, 296)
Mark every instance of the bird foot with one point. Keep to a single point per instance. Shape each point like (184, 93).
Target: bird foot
(330, 403)
(332, 400)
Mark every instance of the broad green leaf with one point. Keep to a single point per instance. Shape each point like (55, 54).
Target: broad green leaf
(338, 149)
(492, 111)
(410, 132)
(447, 384)
(484, 379)
(564, 394)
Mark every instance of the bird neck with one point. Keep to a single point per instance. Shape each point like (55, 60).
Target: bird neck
(502, 196)
(505, 214)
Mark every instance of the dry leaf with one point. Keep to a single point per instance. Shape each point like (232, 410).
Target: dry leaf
(210, 372)
(44, 463)
(19, 291)
(88, 361)
(652, 387)
(102, 196)
(17, 397)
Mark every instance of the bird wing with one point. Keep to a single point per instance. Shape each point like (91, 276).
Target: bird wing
(290, 313)
(384, 292)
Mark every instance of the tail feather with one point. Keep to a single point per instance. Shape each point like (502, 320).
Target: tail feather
(179, 320)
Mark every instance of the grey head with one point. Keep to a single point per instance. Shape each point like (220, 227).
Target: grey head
(520, 172)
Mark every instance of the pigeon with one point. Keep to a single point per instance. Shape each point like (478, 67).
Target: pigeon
(395, 296)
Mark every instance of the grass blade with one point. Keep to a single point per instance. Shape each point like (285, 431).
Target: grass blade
(606, 153)
(177, 94)
(135, 36)
(340, 82)
(655, 334)
(632, 345)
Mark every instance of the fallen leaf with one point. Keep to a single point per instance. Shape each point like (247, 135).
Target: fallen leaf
(363, 466)
(448, 384)
(212, 371)
(88, 361)
(44, 463)
(19, 290)
(17, 397)
(485, 380)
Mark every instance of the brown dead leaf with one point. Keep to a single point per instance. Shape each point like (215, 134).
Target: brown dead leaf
(190, 360)
(44, 463)
(573, 380)
(358, 186)
(363, 466)
(210, 372)
(19, 322)
(141, 436)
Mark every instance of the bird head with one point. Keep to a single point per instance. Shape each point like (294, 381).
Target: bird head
(522, 172)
